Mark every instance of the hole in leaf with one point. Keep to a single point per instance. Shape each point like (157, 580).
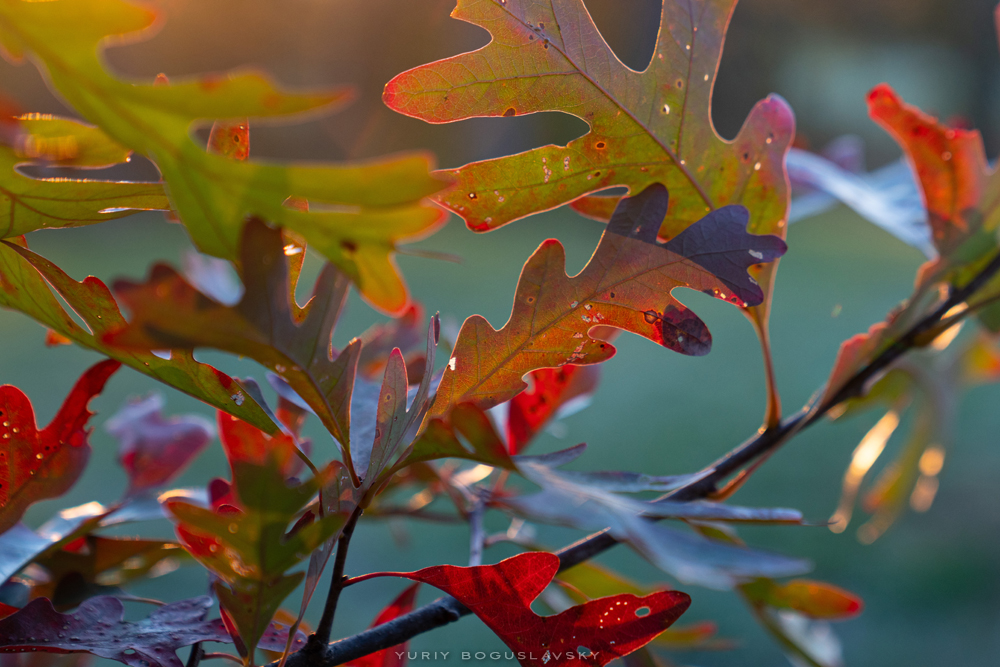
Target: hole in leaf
(642, 611)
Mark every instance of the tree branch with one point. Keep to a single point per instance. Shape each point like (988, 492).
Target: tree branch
(447, 609)
(321, 637)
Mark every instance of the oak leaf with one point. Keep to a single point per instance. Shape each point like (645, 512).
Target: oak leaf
(368, 207)
(596, 632)
(39, 464)
(627, 284)
(26, 284)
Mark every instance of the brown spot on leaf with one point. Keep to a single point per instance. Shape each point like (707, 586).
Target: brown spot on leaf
(511, 111)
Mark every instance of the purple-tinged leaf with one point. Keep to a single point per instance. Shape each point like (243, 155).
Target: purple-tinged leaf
(98, 628)
(213, 277)
(153, 450)
(887, 197)
(688, 557)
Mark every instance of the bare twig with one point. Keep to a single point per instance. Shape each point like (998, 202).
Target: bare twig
(447, 609)
(477, 534)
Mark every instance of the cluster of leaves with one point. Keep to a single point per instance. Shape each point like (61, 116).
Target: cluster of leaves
(429, 440)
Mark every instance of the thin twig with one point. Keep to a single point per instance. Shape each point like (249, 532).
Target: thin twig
(196, 655)
(221, 656)
(321, 637)
(447, 609)
(477, 534)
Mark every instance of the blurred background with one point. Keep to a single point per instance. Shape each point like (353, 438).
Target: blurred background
(931, 584)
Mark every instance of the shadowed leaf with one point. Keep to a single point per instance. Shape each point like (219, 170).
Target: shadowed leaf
(23, 287)
(153, 450)
(97, 627)
(167, 312)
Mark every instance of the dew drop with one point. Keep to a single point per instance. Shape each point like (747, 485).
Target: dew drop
(756, 167)
(238, 398)
(706, 77)
(472, 195)
(39, 456)
(233, 528)
(946, 156)
(451, 363)
(587, 306)
(280, 368)
(665, 109)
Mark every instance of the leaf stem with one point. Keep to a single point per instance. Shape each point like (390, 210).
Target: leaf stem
(321, 637)
(221, 656)
(447, 609)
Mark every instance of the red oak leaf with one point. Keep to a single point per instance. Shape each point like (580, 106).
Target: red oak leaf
(551, 389)
(35, 465)
(394, 656)
(594, 633)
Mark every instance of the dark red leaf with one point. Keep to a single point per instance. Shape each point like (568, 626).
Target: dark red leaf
(596, 632)
(35, 465)
(394, 656)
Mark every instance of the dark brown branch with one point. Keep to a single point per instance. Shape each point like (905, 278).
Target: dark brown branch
(321, 637)
(447, 609)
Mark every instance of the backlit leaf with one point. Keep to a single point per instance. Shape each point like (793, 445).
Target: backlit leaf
(815, 599)
(550, 392)
(646, 127)
(35, 465)
(368, 207)
(627, 284)
(653, 126)
(27, 203)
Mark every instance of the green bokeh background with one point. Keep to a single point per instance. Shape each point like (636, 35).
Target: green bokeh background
(931, 584)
